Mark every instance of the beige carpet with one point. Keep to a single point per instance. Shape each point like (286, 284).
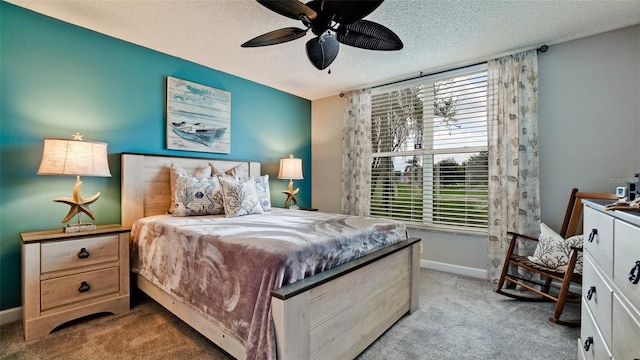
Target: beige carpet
(459, 318)
(146, 332)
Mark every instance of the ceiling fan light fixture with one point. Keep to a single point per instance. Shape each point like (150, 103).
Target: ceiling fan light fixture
(322, 50)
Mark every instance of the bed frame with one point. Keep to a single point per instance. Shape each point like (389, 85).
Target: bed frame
(331, 315)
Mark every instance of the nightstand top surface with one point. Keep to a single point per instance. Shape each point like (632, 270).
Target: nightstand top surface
(54, 234)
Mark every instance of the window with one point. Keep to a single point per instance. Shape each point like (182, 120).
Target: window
(429, 157)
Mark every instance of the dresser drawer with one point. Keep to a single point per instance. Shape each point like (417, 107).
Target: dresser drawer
(626, 332)
(598, 297)
(69, 254)
(581, 353)
(73, 288)
(597, 348)
(627, 255)
(601, 245)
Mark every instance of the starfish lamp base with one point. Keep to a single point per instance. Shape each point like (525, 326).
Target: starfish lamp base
(291, 195)
(78, 205)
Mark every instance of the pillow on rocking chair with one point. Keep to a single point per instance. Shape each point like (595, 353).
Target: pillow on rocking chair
(553, 251)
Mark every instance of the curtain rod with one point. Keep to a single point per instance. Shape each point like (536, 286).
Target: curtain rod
(541, 49)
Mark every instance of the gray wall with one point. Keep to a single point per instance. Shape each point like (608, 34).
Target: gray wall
(326, 153)
(589, 136)
(589, 117)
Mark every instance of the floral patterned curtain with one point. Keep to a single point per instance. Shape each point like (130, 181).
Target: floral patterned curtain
(356, 153)
(514, 200)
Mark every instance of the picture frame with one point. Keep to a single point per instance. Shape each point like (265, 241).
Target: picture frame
(198, 117)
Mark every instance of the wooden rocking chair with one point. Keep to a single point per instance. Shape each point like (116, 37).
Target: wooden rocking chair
(559, 280)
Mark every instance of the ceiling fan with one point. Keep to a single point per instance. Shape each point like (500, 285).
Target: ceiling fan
(333, 22)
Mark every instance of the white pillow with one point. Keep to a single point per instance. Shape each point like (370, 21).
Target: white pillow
(198, 196)
(264, 194)
(204, 171)
(240, 196)
(237, 171)
(553, 251)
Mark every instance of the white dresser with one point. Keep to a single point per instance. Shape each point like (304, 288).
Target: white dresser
(610, 284)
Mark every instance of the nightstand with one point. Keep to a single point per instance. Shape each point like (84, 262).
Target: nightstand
(69, 275)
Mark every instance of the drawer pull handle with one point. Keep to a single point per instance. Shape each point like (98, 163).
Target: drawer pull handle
(592, 235)
(588, 343)
(83, 254)
(592, 290)
(634, 274)
(84, 287)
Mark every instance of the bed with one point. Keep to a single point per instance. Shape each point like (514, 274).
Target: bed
(330, 314)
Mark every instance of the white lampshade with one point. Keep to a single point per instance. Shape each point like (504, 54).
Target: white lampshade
(74, 157)
(290, 168)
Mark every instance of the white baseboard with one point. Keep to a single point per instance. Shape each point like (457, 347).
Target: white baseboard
(454, 269)
(10, 315)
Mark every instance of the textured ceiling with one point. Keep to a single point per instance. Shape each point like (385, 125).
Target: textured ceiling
(436, 34)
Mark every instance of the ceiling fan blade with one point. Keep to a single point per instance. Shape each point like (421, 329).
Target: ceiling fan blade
(276, 37)
(322, 50)
(290, 8)
(368, 35)
(347, 12)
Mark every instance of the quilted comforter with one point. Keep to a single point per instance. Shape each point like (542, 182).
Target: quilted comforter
(225, 268)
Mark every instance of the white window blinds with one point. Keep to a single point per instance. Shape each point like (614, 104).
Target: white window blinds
(429, 144)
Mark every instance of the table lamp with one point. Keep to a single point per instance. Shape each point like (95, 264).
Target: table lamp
(77, 158)
(290, 168)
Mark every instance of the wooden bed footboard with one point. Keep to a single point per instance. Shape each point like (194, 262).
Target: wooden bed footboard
(340, 312)
(335, 314)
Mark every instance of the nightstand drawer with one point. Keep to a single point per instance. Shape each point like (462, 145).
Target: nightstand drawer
(70, 254)
(73, 288)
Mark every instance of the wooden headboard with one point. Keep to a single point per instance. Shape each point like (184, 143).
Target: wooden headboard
(145, 187)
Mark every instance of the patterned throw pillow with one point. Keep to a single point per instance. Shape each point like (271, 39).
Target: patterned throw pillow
(262, 187)
(574, 241)
(198, 196)
(240, 196)
(553, 251)
(204, 171)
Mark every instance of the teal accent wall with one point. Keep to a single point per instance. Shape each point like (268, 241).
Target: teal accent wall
(57, 78)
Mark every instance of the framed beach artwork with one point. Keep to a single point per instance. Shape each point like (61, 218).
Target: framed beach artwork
(198, 117)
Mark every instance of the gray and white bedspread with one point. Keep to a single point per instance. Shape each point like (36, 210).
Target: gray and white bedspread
(226, 267)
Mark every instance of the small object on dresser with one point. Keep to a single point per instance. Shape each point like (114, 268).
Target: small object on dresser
(631, 206)
(633, 188)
